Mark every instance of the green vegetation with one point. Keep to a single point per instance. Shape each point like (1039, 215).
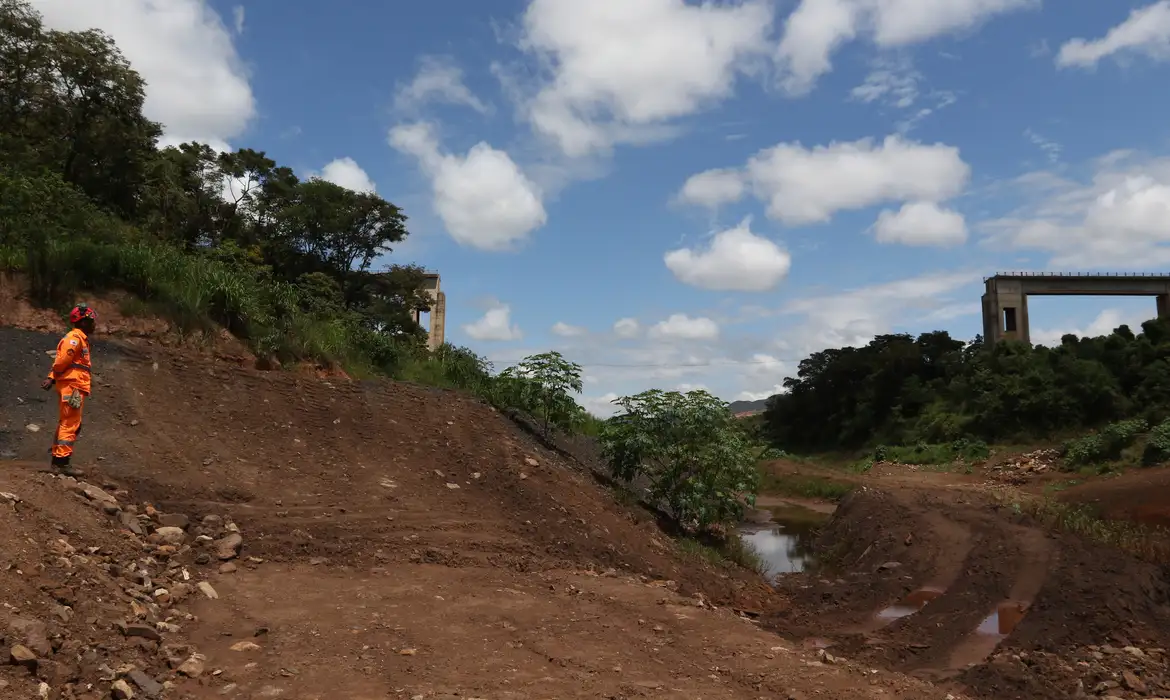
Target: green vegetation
(1151, 544)
(803, 486)
(932, 454)
(698, 462)
(543, 386)
(730, 552)
(1104, 446)
(934, 390)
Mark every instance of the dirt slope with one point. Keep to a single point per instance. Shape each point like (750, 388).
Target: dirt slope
(397, 542)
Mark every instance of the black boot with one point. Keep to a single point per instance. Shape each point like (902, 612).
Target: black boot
(62, 466)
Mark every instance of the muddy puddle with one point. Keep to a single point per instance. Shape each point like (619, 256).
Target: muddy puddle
(785, 541)
(994, 629)
(912, 603)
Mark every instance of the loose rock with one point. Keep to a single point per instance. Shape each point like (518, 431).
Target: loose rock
(31, 634)
(171, 535)
(143, 631)
(149, 686)
(229, 547)
(1130, 680)
(207, 590)
(193, 667)
(93, 493)
(121, 690)
(21, 655)
(174, 520)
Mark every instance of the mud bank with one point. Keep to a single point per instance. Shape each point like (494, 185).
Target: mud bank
(950, 586)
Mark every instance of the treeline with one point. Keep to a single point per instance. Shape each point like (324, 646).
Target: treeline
(88, 201)
(902, 390)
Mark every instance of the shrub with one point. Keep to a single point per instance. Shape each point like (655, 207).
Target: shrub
(698, 461)
(543, 386)
(1158, 445)
(1105, 445)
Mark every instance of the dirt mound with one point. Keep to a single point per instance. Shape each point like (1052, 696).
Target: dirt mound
(360, 473)
(395, 541)
(914, 578)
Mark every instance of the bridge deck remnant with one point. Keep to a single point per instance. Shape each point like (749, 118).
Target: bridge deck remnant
(1005, 300)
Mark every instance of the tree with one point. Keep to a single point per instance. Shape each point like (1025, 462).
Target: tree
(543, 386)
(697, 459)
(233, 239)
(339, 229)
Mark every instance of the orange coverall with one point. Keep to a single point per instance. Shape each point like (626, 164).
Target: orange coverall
(71, 372)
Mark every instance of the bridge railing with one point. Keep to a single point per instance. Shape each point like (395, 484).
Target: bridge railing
(1078, 274)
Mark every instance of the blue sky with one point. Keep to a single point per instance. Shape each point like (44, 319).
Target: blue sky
(680, 195)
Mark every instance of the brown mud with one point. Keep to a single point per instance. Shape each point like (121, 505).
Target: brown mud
(1000, 590)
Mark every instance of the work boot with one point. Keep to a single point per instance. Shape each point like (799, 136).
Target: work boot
(64, 468)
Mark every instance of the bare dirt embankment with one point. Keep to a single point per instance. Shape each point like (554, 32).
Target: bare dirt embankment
(917, 562)
(393, 541)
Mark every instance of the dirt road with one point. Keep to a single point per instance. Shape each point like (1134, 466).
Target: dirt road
(926, 565)
(394, 541)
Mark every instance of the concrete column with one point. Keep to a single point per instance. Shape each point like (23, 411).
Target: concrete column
(436, 332)
(1163, 305)
(991, 321)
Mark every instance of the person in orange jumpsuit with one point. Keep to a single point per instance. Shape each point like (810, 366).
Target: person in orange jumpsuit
(71, 375)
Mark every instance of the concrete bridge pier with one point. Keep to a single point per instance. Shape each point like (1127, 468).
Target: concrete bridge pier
(1005, 314)
(1005, 300)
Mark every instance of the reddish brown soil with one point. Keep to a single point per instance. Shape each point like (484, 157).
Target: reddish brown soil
(883, 545)
(398, 542)
(1141, 495)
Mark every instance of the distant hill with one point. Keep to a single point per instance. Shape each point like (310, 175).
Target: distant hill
(745, 406)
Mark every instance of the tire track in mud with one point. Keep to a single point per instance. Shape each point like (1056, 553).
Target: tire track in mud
(1036, 556)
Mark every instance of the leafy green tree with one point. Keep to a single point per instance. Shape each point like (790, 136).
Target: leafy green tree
(543, 385)
(696, 458)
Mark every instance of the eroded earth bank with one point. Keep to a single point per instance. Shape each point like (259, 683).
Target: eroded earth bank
(257, 534)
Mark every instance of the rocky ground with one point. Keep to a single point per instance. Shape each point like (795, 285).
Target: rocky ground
(248, 534)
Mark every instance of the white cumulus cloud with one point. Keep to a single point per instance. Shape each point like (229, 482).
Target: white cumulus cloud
(1145, 31)
(683, 327)
(440, 80)
(347, 173)
(816, 29)
(921, 224)
(565, 330)
(855, 316)
(1119, 217)
(483, 198)
(735, 260)
(627, 327)
(196, 85)
(617, 71)
(495, 325)
(803, 185)
(713, 188)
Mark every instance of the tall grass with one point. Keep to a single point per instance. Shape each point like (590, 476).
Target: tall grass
(733, 552)
(197, 293)
(1148, 543)
(803, 486)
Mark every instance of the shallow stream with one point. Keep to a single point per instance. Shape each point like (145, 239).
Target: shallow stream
(785, 541)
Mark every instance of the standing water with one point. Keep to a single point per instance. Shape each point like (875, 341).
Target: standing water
(785, 543)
